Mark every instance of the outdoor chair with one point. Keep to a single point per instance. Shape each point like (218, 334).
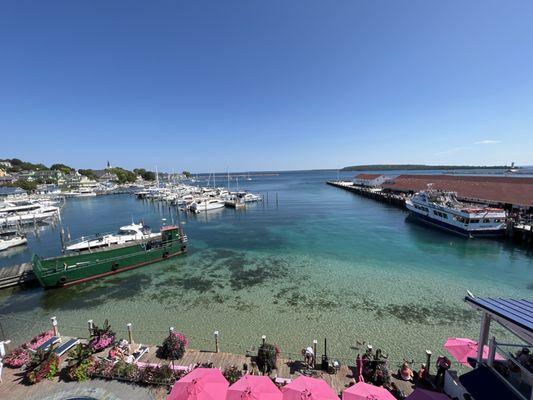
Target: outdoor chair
(47, 345)
(63, 348)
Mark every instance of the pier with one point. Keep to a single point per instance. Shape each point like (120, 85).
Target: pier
(16, 275)
(376, 194)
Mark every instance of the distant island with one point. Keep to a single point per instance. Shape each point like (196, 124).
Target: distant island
(418, 167)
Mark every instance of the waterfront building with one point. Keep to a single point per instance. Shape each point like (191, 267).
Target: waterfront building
(511, 191)
(369, 180)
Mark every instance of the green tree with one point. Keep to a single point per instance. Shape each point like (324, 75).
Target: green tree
(89, 173)
(26, 185)
(62, 168)
(187, 174)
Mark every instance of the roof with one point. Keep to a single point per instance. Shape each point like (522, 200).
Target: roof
(168, 228)
(499, 189)
(368, 177)
(483, 384)
(516, 315)
(5, 191)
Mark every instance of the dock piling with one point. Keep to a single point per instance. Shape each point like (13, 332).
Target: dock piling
(428, 361)
(315, 341)
(216, 342)
(90, 325)
(263, 339)
(130, 334)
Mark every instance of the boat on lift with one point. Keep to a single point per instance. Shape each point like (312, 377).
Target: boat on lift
(9, 239)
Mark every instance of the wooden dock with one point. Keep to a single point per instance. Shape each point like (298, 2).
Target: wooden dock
(16, 275)
(13, 388)
(371, 193)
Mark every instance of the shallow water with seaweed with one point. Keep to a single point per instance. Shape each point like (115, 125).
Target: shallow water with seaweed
(318, 263)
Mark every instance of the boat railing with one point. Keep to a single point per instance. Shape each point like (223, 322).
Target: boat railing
(53, 269)
(91, 237)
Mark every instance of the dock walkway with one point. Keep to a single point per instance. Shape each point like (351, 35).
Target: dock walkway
(12, 387)
(16, 275)
(372, 193)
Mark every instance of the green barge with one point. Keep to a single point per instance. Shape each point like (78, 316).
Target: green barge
(70, 269)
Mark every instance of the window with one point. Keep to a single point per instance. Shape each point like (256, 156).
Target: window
(474, 221)
(486, 221)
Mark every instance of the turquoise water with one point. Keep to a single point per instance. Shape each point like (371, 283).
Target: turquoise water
(321, 262)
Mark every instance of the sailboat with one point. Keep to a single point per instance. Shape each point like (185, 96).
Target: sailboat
(248, 177)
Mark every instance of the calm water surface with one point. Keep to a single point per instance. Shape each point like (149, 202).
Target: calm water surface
(321, 263)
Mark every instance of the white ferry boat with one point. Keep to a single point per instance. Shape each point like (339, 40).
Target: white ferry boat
(443, 210)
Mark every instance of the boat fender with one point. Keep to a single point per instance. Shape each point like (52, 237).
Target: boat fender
(114, 266)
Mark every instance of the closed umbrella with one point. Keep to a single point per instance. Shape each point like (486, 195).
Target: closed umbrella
(251, 387)
(359, 369)
(365, 391)
(200, 384)
(305, 388)
(462, 349)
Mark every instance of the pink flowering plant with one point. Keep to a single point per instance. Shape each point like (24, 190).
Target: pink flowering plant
(102, 338)
(21, 356)
(174, 346)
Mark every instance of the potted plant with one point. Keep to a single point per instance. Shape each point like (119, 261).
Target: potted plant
(232, 374)
(267, 357)
(78, 363)
(173, 346)
(43, 365)
(101, 338)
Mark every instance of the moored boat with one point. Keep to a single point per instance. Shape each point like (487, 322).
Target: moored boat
(87, 265)
(9, 239)
(443, 210)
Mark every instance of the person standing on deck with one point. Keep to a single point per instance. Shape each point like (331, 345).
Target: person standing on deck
(443, 365)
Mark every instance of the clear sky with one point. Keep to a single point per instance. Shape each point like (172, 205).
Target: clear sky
(266, 85)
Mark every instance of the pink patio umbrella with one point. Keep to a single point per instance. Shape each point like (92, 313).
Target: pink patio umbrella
(305, 388)
(422, 394)
(462, 349)
(251, 387)
(359, 369)
(200, 384)
(365, 391)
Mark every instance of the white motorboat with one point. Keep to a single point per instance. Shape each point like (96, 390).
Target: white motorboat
(11, 239)
(125, 234)
(28, 212)
(206, 204)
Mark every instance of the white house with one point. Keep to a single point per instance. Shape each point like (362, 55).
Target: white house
(369, 180)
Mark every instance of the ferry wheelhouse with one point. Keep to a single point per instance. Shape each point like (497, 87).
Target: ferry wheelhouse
(443, 210)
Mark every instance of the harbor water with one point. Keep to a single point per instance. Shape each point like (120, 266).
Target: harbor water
(318, 263)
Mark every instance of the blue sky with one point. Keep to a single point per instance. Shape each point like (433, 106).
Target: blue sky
(266, 85)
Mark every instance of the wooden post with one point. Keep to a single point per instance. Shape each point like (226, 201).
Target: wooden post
(90, 326)
(276, 199)
(130, 335)
(263, 339)
(483, 337)
(314, 351)
(492, 351)
(428, 361)
(54, 326)
(170, 330)
(216, 341)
